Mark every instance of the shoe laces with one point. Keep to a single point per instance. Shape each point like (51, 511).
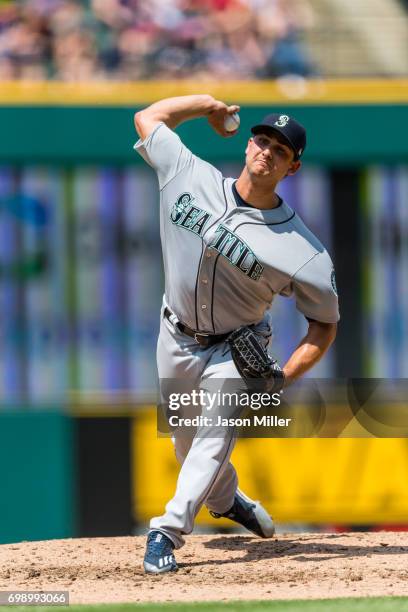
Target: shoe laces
(241, 505)
(159, 544)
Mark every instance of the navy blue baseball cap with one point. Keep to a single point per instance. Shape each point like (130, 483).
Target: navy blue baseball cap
(292, 131)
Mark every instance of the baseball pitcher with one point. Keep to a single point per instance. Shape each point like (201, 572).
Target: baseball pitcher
(229, 246)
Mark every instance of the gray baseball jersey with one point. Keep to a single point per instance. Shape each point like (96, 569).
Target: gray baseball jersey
(225, 263)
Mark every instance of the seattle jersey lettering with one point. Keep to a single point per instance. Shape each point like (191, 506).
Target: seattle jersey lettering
(184, 214)
(237, 252)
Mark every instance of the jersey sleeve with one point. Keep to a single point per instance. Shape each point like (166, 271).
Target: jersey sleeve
(314, 286)
(164, 152)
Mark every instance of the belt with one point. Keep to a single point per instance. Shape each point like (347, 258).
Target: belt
(204, 340)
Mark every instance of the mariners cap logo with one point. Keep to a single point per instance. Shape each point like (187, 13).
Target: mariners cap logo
(282, 121)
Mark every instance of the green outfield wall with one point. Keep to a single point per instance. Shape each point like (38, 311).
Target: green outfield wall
(38, 489)
(337, 134)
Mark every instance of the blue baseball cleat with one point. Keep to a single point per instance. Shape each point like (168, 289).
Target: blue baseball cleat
(250, 514)
(159, 556)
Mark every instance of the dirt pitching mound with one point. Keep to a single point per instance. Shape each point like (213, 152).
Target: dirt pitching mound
(102, 570)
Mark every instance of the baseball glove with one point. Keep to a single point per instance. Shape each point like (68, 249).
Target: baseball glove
(260, 372)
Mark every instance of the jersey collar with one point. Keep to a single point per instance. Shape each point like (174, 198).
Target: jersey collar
(279, 214)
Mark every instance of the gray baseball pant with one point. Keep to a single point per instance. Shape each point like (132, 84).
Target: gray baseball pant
(206, 474)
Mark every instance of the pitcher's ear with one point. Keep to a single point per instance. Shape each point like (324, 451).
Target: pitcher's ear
(294, 167)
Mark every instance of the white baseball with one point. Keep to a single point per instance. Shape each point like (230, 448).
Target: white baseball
(231, 122)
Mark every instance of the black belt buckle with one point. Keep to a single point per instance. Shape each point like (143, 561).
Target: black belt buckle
(202, 339)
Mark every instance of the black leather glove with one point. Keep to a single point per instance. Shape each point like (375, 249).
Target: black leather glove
(260, 372)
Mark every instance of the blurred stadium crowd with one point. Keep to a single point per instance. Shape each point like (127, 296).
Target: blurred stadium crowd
(84, 40)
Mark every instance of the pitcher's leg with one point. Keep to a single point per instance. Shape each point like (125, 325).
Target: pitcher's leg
(180, 363)
(208, 455)
(221, 496)
(206, 473)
